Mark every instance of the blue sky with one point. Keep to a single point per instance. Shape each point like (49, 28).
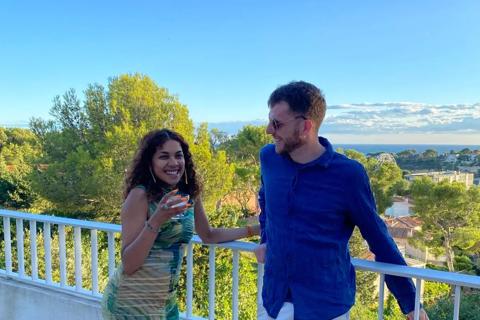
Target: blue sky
(378, 62)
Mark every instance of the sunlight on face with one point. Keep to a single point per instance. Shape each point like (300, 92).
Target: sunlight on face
(287, 135)
(168, 162)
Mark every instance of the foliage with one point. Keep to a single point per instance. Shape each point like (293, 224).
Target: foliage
(97, 138)
(365, 281)
(450, 213)
(429, 153)
(18, 149)
(385, 178)
(392, 310)
(246, 144)
(434, 291)
(427, 160)
(442, 309)
(214, 170)
(362, 312)
(243, 150)
(464, 264)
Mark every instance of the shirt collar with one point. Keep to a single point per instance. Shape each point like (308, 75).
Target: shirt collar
(326, 157)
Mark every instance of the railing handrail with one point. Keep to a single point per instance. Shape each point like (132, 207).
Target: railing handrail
(366, 265)
(109, 227)
(453, 278)
(85, 224)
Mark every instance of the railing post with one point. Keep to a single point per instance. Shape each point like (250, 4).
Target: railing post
(381, 296)
(62, 252)
(189, 280)
(260, 270)
(8, 244)
(418, 290)
(94, 261)
(456, 306)
(235, 272)
(77, 236)
(111, 253)
(211, 283)
(20, 246)
(33, 249)
(48, 252)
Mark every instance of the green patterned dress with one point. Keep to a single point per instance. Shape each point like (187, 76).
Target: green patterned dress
(150, 293)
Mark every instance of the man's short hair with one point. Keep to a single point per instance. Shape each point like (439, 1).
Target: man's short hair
(303, 98)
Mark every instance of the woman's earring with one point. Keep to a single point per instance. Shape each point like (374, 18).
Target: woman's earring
(153, 176)
(186, 178)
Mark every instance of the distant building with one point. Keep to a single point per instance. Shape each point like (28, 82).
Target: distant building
(403, 228)
(471, 169)
(401, 207)
(450, 176)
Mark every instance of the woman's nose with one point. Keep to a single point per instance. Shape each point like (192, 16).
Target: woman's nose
(172, 161)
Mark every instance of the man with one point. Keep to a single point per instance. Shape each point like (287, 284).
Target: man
(311, 199)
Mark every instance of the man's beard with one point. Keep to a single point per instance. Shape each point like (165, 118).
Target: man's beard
(290, 144)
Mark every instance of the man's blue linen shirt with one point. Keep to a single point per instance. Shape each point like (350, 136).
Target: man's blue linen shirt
(308, 213)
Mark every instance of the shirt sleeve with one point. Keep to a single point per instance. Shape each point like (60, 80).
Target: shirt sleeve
(363, 213)
(262, 217)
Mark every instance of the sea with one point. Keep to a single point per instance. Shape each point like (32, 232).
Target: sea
(395, 148)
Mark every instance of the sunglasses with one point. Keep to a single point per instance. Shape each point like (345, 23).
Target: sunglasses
(276, 125)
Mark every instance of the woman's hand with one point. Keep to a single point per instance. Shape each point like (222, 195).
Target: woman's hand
(170, 205)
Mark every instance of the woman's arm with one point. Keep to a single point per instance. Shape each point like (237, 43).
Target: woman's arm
(138, 234)
(216, 235)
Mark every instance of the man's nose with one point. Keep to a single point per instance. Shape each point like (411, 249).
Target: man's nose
(270, 129)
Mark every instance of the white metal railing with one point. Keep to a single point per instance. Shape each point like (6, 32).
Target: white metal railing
(457, 280)
(454, 279)
(47, 222)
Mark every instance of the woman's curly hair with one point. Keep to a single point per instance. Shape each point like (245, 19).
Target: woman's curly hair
(139, 171)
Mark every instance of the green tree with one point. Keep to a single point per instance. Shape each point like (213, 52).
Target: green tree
(365, 281)
(434, 291)
(430, 153)
(450, 214)
(465, 151)
(19, 148)
(407, 153)
(218, 138)
(392, 310)
(246, 144)
(442, 309)
(88, 145)
(244, 149)
(212, 166)
(385, 178)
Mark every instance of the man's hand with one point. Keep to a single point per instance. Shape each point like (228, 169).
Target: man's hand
(423, 315)
(260, 252)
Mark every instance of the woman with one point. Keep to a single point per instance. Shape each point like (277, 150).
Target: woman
(162, 204)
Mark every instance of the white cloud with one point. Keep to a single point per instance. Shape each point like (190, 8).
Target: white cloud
(402, 117)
